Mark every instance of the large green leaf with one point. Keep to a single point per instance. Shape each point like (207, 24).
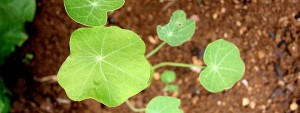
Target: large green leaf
(105, 64)
(13, 15)
(178, 30)
(91, 12)
(164, 104)
(224, 66)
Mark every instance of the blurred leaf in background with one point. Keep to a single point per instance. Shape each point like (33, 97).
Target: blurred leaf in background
(14, 14)
(4, 99)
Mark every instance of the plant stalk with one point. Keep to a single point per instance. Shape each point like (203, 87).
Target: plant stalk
(133, 108)
(155, 50)
(176, 65)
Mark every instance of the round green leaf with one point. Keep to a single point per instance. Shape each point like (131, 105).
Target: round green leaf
(105, 64)
(178, 30)
(168, 76)
(164, 104)
(224, 66)
(91, 12)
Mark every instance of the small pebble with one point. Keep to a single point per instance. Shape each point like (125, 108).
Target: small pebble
(219, 103)
(238, 23)
(294, 106)
(156, 76)
(245, 102)
(225, 35)
(197, 61)
(195, 100)
(63, 101)
(245, 83)
(281, 83)
(196, 70)
(215, 16)
(260, 54)
(222, 1)
(252, 105)
(223, 103)
(195, 18)
(152, 40)
(223, 10)
(256, 68)
(243, 30)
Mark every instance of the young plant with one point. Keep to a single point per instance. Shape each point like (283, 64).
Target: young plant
(108, 63)
(168, 77)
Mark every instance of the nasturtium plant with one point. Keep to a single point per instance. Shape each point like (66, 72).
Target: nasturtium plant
(106, 64)
(168, 76)
(13, 15)
(178, 30)
(224, 66)
(164, 104)
(91, 12)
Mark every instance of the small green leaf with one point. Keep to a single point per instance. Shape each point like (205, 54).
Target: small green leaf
(91, 12)
(172, 88)
(178, 30)
(168, 76)
(28, 57)
(164, 104)
(224, 66)
(105, 64)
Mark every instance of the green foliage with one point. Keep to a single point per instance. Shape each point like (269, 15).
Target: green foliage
(168, 76)
(28, 57)
(224, 66)
(91, 12)
(178, 30)
(106, 64)
(164, 104)
(13, 15)
(171, 88)
(4, 99)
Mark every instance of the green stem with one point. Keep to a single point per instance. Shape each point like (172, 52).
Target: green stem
(155, 50)
(176, 65)
(133, 108)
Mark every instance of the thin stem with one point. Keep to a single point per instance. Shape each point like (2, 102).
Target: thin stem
(133, 108)
(155, 50)
(176, 65)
